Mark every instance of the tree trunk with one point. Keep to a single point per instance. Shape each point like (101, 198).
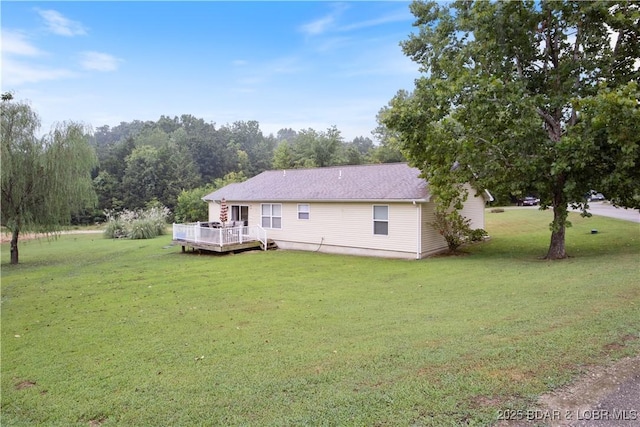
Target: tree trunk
(558, 227)
(14, 246)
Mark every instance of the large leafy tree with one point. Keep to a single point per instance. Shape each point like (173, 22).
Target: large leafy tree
(282, 156)
(525, 96)
(144, 176)
(190, 206)
(317, 149)
(44, 181)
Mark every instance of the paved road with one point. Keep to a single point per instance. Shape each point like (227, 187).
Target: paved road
(602, 209)
(605, 209)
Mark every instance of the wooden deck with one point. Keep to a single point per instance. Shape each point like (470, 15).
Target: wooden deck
(204, 237)
(211, 247)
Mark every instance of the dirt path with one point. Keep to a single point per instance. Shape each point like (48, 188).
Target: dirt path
(6, 237)
(603, 397)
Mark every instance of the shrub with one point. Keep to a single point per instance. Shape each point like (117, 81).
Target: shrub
(477, 235)
(452, 226)
(141, 224)
(191, 207)
(156, 219)
(115, 228)
(142, 229)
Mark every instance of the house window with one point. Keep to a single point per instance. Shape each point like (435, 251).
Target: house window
(240, 213)
(381, 220)
(303, 211)
(272, 215)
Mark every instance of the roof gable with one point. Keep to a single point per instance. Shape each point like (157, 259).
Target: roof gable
(394, 181)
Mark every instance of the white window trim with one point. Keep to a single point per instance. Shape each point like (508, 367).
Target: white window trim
(308, 211)
(271, 216)
(374, 220)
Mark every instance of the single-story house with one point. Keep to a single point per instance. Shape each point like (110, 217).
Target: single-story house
(375, 210)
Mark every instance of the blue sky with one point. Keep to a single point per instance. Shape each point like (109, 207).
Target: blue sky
(285, 64)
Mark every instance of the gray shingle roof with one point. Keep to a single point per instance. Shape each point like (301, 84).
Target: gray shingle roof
(391, 181)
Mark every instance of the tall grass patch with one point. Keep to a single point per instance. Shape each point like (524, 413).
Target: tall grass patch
(139, 224)
(134, 332)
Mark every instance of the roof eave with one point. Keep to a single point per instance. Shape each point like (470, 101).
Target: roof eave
(279, 200)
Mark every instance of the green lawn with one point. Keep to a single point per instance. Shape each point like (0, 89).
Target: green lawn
(136, 333)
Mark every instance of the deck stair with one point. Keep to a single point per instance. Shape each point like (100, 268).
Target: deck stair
(271, 244)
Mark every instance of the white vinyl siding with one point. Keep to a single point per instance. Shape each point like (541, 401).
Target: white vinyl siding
(474, 208)
(432, 241)
(348, 225)
(271, 215)
(303, 211)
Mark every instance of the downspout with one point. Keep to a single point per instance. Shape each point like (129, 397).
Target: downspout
(419, 229)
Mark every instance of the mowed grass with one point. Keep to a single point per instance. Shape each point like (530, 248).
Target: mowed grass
(136, 333)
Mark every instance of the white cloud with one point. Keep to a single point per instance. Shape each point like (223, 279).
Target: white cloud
(400, 16)
(324, 24)
(15, 73)
(329, 23)
(98, 61)
(61, 25)
(16, 43)
(318, 26)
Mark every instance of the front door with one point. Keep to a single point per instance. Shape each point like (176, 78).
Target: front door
(240, 213)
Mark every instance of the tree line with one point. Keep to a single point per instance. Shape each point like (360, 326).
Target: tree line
(155, 161)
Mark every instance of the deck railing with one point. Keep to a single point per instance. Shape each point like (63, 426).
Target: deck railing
(221, 236)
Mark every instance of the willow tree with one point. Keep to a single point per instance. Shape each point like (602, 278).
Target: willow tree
(44, 180)
(525, 97)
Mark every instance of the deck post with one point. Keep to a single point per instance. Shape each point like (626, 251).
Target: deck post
(197, 233)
